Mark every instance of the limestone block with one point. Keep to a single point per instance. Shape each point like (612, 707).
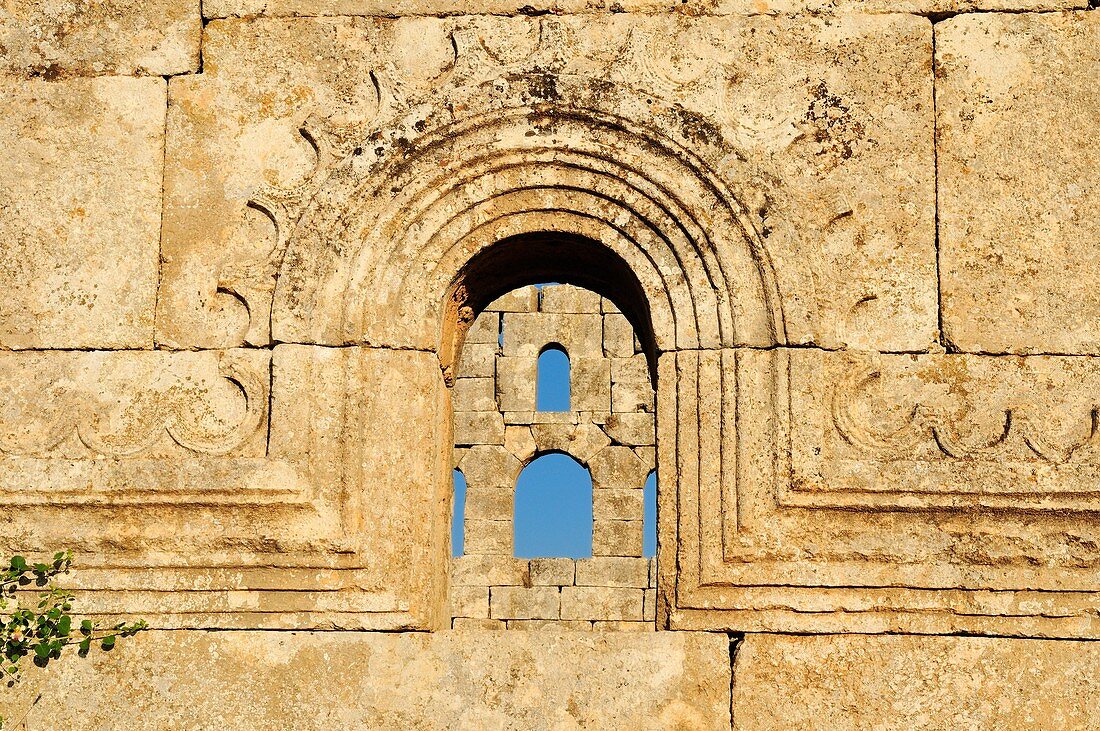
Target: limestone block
(607, 306)
(517, 602)
(492, 503)
(489, 570)
(470, 601)
(526, 334)
(617, 538)
(485, 330)
(631, 387)
(477, 624)
(621, 571)
(478, 427)
(524, 299)
(618, 504)
(552, 571)
(1019, 236)
(474, 394)
(565, 298)
(906, 682)
(486, 466)
(234, 136)
(516, 379)
(478, 360)
(80, 186)
(622, 626)
(241, 681)
(618, 336)
(601, 603)
(631, 429)
(159, 38)
(580, 441)
(549, 625)
(487, 536)
(618, 468)
(520, 442)
(942, 430)
(590, 383)
(649, 605)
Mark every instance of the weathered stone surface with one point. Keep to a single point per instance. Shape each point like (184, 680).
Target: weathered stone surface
(517, 602)
(948, 683)
(72, 405)
(601, 603)
(470, 601)
(478, 427)
(53, 40)
(565, 298)
(242, 681)
(613, 571)
(846, 150)
(575, 316)
(1019, 235)
(80, 187)
(552, 571)
(617, 537)
(945, 430)
(386, 505)
(223, 8)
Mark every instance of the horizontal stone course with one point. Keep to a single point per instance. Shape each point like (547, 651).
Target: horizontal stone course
(388, 8)
(242, 681)
(905, 682)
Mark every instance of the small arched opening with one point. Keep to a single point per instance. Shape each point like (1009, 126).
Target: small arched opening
(552, 383)
(553, 513)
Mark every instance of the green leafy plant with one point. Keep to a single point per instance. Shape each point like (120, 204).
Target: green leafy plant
(36, 620)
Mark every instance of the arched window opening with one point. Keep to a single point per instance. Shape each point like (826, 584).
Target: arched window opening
(552, 382)
(553, 509)
(649, 516)
(458, 518)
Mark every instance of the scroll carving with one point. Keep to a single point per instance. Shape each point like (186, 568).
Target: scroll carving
(1013, 432)
(171, 405)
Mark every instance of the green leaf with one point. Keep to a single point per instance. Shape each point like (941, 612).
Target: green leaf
(86, 627)
(85, 646)
(108, 643)
(18, 563)
(43, 650)
(64, 625)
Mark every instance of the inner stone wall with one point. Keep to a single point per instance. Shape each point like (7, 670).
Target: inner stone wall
(242, 244)
(499, 429)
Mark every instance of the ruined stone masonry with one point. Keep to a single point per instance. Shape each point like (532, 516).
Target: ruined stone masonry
(829, 267)
(499, 428)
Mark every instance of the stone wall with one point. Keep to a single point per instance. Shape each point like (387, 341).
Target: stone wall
(244, 250)
(609, 429)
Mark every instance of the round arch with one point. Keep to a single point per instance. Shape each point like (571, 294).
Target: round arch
(383, 252)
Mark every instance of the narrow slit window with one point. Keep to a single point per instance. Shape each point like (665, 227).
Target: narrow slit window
(649, 516)
(553, 509)
(458, 535)
(552, 384)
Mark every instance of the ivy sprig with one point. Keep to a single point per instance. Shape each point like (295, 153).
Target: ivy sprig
(41, 632)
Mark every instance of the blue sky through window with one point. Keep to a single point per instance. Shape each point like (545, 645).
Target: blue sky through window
(649, 524)
(458, 536)
(552, 389)
(553, 509)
